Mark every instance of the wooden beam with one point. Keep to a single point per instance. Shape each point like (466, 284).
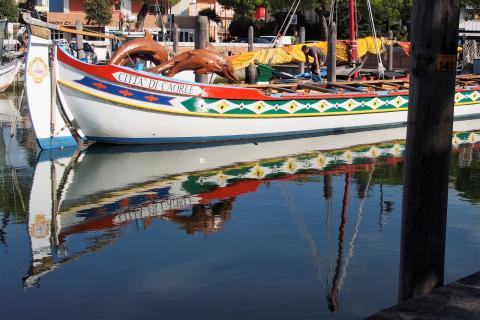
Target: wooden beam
(434, 39)
(201, 41)
(281, 89)
(316, 88)
(345, 87)
(402, 86)
(88, 33)
(34, 22)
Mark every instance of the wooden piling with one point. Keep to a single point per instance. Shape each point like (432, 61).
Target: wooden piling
(201, 41)
(251, 70)
(302, 41)
(429, 136)
(390, 52)
(79, 40)
(175, 38)
(332, 53)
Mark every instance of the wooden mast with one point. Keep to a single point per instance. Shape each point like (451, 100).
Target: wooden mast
(353, 42)
(332, 294)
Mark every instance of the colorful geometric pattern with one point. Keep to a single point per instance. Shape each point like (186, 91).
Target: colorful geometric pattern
(156, 194)
(125, 92)
(306, 107)
(300, 106)
(325, 161)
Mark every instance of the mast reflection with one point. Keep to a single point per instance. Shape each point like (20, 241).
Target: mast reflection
(93, 195)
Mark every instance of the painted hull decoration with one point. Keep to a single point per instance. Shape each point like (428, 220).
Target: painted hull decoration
(120, 105)
(116, 104)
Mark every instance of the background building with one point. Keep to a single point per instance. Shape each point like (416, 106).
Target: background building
(67, 12)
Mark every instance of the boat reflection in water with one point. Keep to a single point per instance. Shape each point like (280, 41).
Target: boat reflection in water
(98, 191)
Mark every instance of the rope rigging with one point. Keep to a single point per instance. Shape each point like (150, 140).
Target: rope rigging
(380, 67)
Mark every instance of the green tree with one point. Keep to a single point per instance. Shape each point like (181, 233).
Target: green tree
(244, 7)
(210, 14)
(9, 10)
(98, 12)
(239, 25)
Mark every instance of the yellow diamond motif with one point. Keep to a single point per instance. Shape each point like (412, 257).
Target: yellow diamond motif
(223, 106)
(321, 161)
(473, 138)
(455, 141)
(292, 106)
(349, 104)
(458, 97)
(221, 178)
(291, 165)
(397, 102)
(259, 107)
(322, 106)
(373, 152)
(348, 156)
(258, 172)
(474, 95)
(396, 150)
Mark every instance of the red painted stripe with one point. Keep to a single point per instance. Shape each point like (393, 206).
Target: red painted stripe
(213, 92)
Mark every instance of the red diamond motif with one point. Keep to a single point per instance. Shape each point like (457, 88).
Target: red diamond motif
(151, 98)
(99, 85)
(125, 93)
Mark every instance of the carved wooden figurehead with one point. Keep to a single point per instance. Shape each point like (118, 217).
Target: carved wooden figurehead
(145, 48)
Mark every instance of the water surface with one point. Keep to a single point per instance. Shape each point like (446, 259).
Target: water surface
(295, 229)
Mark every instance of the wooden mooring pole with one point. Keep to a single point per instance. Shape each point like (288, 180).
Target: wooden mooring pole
(79, 40)
(332, 53)
(302, 41)
(201, 41)
(390, 52)
(175, 38)
(429, 135)
(251, 71)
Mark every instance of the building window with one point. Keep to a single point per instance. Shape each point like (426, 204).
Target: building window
(56, 35)
(118, 5)
(156, 9)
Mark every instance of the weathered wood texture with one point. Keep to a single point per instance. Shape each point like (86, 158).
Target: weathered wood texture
(430, 120)
(390, 52)
(79, 40)
(201, 41)
(332, 53)
(175, 38)
(302, 41)
(251, 70)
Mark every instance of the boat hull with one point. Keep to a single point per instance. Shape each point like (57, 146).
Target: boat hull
(119, 105)
(8, 73)
(117, 123)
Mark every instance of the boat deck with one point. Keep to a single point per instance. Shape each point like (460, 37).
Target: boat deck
(367, 86)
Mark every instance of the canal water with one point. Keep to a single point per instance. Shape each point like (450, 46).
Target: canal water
(297, 229)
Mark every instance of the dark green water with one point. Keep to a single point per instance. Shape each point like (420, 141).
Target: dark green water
(298, 229)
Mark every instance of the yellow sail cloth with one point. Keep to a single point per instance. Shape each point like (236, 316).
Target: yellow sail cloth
(294, 53)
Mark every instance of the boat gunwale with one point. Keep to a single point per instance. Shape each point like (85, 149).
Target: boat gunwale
(214, 91)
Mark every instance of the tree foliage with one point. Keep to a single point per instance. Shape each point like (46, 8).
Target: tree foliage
(239, 26)
(210, 14)
(9, 10)
(244, 7)
(98, 12)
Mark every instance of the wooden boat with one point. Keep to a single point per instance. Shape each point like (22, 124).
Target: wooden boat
(114, 104)
(9, 68)
(8, 71)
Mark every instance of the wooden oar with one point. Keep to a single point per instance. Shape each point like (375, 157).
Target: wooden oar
(88, 33)
(34, 22)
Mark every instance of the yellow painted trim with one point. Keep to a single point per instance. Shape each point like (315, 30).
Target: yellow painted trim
(220, 115)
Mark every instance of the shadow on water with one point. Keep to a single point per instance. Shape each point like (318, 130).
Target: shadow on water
(76, 203)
